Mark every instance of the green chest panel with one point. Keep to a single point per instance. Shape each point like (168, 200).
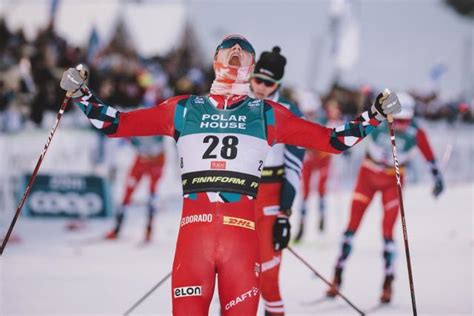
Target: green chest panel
(203, 117)
(405, 139)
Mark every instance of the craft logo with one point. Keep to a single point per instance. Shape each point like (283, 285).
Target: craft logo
(199, 100)
(216, 164)
(185, 291)
(255, 103)
(240, 222)
(239, 299)
(257, 269)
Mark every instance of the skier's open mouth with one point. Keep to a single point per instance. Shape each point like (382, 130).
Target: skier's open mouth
(234, 61)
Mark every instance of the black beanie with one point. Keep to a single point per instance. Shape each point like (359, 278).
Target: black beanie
(270, 65)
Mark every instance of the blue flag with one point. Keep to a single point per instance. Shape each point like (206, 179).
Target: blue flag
(53, 9)
(94, 45)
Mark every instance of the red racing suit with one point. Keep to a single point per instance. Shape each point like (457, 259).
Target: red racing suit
(317, 161)
(222, 142)
(376, 174)
(149, 162)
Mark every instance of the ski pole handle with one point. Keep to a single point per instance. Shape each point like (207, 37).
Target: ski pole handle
(386, 93)
(84, 73)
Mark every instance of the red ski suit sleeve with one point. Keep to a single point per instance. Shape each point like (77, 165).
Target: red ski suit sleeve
(292, 130)
(157, 120)
(282, 125)
(424, 145)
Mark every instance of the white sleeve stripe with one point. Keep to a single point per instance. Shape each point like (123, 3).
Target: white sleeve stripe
(275, 303)
(97, 123)
(350, 140)
(365, 116)
(340, 128)
(111, 111)
(290, 156)
(292, 166)
(275, 309)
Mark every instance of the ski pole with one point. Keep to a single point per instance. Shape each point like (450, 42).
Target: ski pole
(146, 295)
(324, 280)
(64, 104)
(402, 212)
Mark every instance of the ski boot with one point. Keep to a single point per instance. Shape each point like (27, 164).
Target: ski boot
(148, 232)
(322, 210)
(321, 224)
(300, 233)
(336, 284)
(387, 290)
(151, 215)
(113, 234)
(76, 225)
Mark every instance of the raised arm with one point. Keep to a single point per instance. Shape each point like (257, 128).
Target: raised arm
(157, 120)
(289, 129)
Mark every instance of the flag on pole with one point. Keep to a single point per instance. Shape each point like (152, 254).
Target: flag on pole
(345, 31)
(94, 45)
(53, 9)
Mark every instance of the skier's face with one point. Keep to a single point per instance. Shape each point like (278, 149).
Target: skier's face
(262, 88)
(401, 124)
(234, 56)
(332, 110)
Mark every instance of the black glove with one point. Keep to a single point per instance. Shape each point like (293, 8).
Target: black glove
(281, 232)
(438, 182)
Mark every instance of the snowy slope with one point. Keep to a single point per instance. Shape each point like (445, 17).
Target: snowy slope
(55, 272)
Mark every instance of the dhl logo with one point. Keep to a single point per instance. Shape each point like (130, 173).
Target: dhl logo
(240, 222)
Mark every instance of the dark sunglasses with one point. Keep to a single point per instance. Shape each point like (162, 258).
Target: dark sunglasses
(267, 83)
(230, 42)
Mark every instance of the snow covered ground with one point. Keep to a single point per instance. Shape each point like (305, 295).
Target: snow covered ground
(55, 272)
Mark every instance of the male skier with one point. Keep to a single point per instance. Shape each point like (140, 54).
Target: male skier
(222, 140)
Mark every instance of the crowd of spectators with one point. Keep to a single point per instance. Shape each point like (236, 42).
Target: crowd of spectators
(30, 71)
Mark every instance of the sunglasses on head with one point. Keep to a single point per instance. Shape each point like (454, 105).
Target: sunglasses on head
(267, 83)
(230, 42)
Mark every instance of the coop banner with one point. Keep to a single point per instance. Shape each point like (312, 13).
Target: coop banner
(67, 196)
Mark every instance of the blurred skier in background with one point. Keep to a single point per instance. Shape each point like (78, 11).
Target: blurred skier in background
(318, 162)
(149, 162)
(377, 174)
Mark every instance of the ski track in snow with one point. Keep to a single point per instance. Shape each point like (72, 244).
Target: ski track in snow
(55, 272)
